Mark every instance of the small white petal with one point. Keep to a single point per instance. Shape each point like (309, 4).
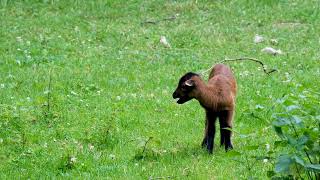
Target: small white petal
(163, 40)
(258, 39)
(274, 41)
(270, 50)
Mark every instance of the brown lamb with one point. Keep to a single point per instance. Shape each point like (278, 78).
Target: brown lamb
(217, 97)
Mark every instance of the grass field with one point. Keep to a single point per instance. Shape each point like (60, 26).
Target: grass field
(86, 87)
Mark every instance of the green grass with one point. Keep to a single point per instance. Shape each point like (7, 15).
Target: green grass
(111, 84)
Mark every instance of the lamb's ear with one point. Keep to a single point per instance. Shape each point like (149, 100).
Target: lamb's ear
(189, 83)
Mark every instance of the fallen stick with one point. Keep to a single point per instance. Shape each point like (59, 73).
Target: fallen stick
(243, 59)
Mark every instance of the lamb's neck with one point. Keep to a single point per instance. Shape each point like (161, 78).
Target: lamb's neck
(205, 95)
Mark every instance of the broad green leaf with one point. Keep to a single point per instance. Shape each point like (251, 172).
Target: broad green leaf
(292, 141)
(313, 167)
(291, 108)
(296, 119)
(280, 144)
(299, 160)
(279, 131)
(281, 121)
(283, 164)
(301, 141)
(270, 173)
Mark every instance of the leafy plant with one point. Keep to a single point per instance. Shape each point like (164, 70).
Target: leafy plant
(298, 128)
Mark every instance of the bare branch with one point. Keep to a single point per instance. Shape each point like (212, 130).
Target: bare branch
(243, 59)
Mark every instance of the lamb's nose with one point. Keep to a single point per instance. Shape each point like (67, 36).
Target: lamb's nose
(174, 95)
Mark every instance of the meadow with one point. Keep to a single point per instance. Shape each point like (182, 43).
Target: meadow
(86, 86)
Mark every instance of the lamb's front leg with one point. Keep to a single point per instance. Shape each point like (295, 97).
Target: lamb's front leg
(211, 130)
(204, 141)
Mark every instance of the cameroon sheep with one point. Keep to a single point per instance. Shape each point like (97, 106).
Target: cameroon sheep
(217, 97)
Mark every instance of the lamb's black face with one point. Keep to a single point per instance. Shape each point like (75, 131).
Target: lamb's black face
(185, 87)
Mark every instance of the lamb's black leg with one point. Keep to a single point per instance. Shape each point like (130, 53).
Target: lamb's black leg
(225, 119)
(204, 141)
(222, 135)
(211, 117)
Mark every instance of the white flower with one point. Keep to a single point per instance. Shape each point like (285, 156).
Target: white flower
(268, 147)
(91, 147)
(258, 39)
(274, 41)
(73, 93)
(265, 160)
(163, 40)
(118, 98)
(73, 159)
(19, 39)
(270, 50)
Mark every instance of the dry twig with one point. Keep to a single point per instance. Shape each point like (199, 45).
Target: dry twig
(243, 59)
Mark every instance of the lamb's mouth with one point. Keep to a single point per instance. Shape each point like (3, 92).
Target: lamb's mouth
(183, 99)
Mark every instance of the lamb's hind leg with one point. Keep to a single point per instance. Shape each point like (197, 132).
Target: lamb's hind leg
(225, 118)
